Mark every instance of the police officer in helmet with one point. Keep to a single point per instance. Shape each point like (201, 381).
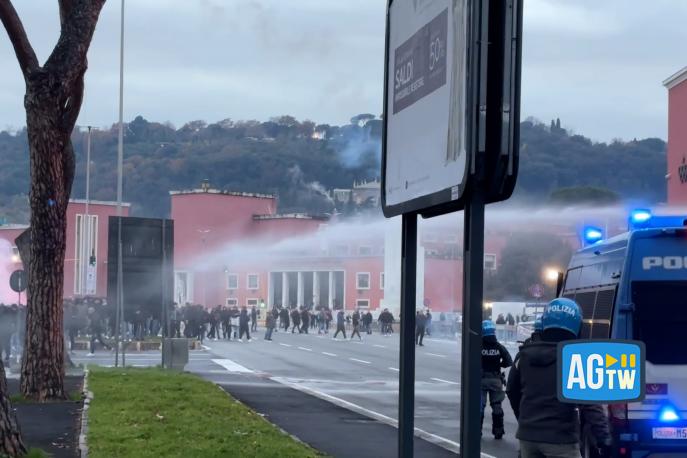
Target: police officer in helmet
(536, 334)
(494, 358)
(548, 428)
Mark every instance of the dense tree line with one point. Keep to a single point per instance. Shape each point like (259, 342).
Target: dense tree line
(301, 160)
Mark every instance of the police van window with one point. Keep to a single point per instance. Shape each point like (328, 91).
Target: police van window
(572, 280)
(599, 274)
(660, 319)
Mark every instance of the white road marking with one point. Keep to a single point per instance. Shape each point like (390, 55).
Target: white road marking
(438, 440)
(444, 381)
(434, 354)
(379, 346)
(328, 354)
(304, 349)
(206, 347)
(357, 343)
(284, 345)
(360, 360)
(231, 366)
(394, 369)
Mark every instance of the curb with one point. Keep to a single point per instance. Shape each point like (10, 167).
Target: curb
(88, 397)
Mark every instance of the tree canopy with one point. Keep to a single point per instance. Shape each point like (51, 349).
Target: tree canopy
(522, 264)
(256, 156)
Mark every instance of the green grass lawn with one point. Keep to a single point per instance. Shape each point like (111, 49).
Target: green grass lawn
(154, 413)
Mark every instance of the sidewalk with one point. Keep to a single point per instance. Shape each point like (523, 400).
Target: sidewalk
(53, 427)
(328, 428)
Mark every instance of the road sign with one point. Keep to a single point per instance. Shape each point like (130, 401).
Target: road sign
(450, 142)
(18, 281)
(425, 160)
(536, 291)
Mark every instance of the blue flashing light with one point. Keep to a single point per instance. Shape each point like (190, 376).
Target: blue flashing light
(640, 216)
(642, 219)
(593, 235)
(667, 414)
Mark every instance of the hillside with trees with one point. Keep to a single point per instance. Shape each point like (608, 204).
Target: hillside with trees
(300, 161)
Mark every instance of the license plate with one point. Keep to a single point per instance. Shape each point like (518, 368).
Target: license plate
(669, 433)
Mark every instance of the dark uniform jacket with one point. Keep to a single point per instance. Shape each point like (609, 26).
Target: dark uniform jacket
(494, 356)
(296, 317)
(533, 396)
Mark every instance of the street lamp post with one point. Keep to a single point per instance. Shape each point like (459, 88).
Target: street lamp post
(554, 275)
(203, 239)
(120, 167)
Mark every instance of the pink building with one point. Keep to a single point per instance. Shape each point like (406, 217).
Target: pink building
(208, 224)
(85, 264)
(677, 138)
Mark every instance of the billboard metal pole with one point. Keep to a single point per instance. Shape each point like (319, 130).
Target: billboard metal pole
(406, 388)
(471, 363)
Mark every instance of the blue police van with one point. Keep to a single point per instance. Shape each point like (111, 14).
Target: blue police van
(634, 286)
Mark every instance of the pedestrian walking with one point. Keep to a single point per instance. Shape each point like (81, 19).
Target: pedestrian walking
(254, 319)
(235, 314)
(340, 324)
(367, 322)
(428, 320)
(284, 319)
(328, 320)
(244, 319)
(296, 321)
(96, 330)
(305, 320)
(225, 317)
(322, 321)
(420, 326)
(270, 322)
(546, 426)
(355, 319)
(385, 319)
(495, 357)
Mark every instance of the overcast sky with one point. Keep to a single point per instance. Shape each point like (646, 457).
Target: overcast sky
(598, 65)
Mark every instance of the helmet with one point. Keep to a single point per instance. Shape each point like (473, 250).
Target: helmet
(564, 314)
(488, 328)
(538, 325)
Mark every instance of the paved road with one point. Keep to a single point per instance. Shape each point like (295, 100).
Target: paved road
(360, 375)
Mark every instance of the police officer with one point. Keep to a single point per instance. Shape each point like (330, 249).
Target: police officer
(536, 334)
(546, 426)
(494, 358)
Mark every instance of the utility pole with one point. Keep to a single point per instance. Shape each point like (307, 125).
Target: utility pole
(120, 166)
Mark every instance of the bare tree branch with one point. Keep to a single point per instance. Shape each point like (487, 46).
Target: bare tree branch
(20, 41)
(68, 59)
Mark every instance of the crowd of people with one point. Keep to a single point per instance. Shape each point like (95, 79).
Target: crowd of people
(94, 320)
(12, 318)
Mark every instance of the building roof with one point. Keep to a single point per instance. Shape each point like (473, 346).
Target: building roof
(289, 216)
(98, 202)
(676, 78)
(222, 192)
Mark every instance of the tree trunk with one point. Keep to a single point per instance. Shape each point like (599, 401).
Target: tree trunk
(42, 371)
(54, 93)
(10, 436)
